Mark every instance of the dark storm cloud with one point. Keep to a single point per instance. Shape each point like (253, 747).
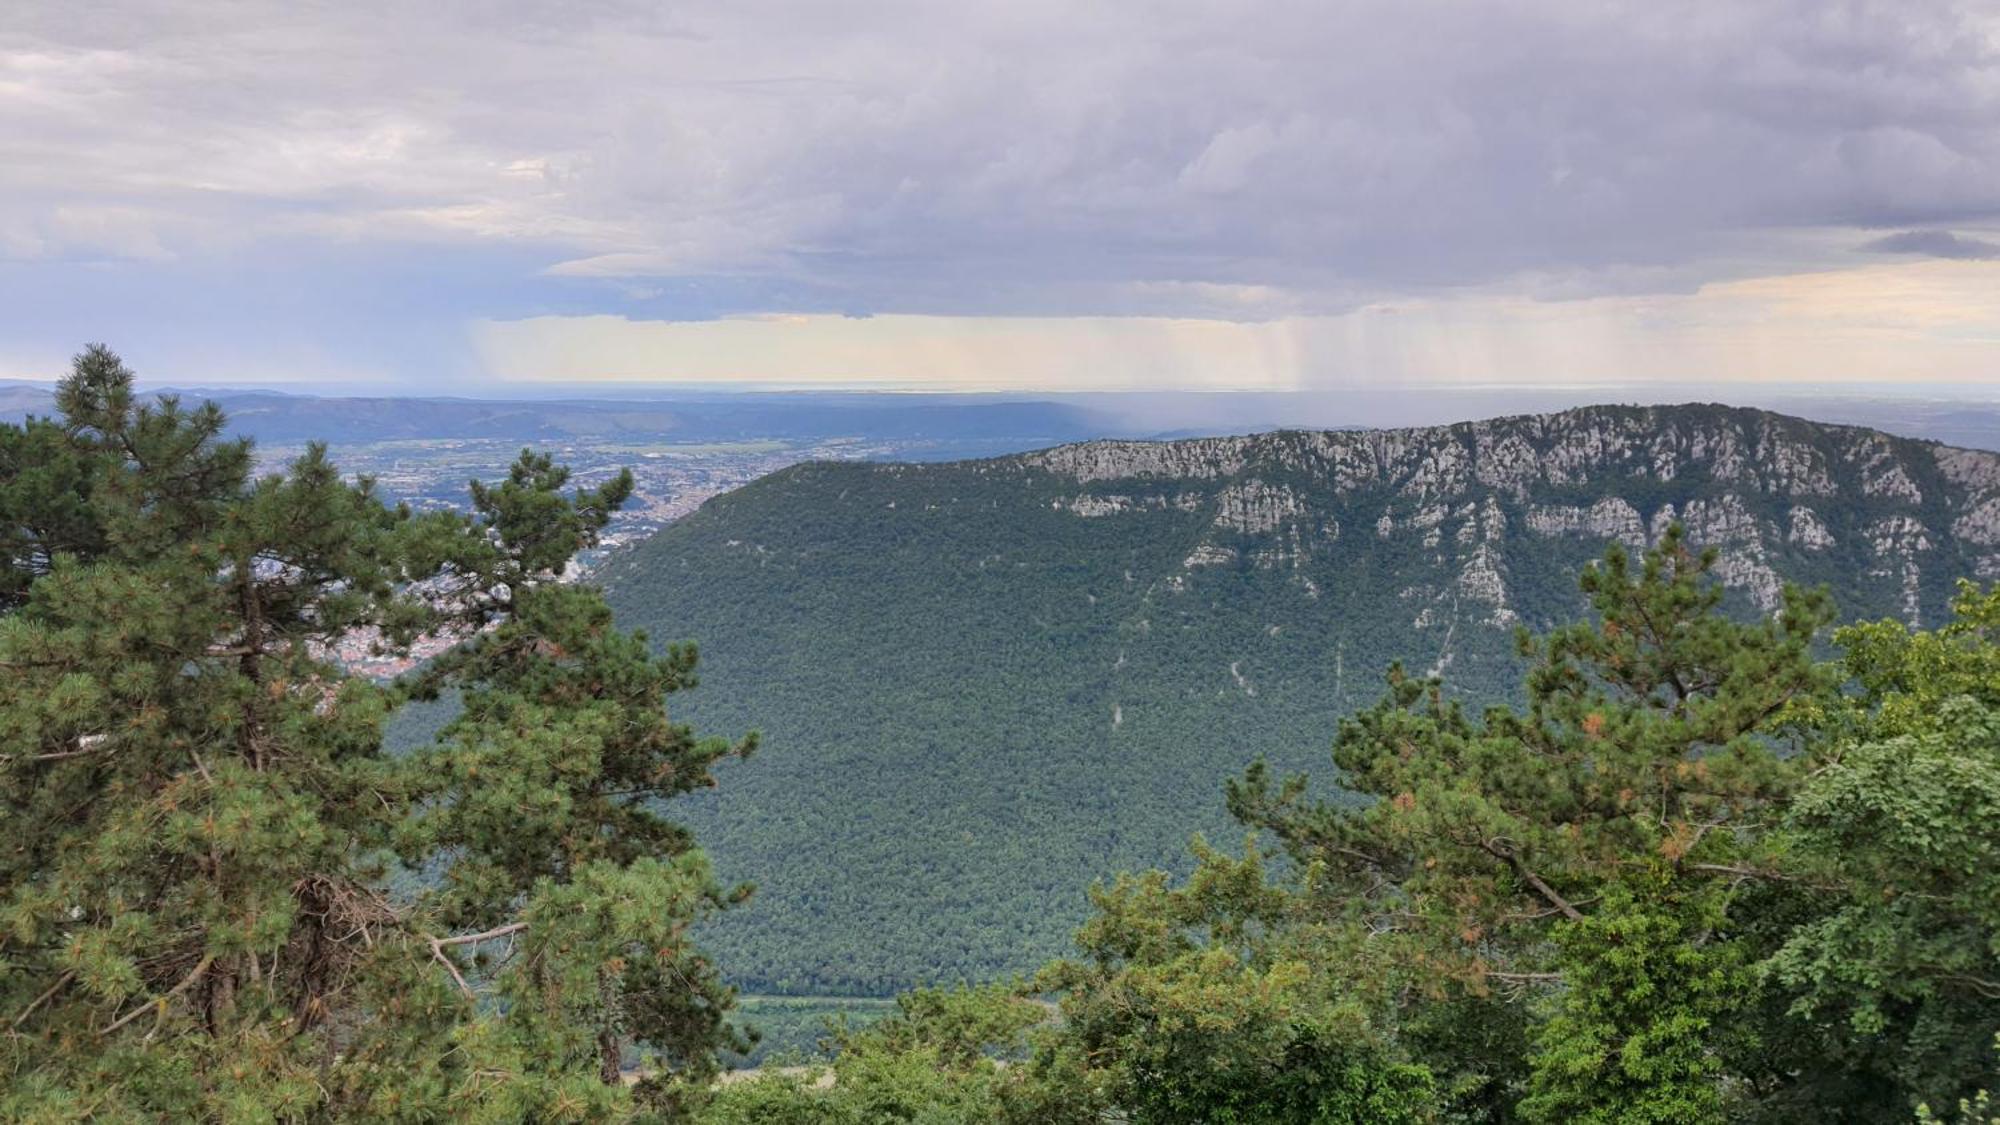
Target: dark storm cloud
(1223, 159)
(1935, 244)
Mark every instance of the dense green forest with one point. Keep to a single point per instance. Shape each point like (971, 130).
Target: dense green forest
(1695, 875)
(980, 685)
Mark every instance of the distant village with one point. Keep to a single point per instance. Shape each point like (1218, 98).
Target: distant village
(671, 480)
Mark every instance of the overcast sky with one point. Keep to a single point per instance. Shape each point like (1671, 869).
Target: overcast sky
(1032, 194)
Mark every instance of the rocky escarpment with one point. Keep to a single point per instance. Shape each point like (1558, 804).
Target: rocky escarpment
(1761, 488)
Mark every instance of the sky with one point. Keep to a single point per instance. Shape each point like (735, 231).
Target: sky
(1028, 196)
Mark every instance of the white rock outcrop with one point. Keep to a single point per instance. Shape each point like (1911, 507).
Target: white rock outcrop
(1254, 507)
(1808, 530)
(1981, 525)
(1208, 554)
(1611, 518)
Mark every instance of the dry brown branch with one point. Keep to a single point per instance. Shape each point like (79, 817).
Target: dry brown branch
(1756, 873)
(438, 945)
(485, 935)
(1987, 988)
(437, 952)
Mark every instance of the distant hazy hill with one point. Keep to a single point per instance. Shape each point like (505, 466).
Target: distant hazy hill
(958, 422)
(17, 400)
(276, 418)
(984, 683)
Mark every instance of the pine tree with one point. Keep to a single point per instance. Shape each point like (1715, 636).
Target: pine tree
(1648, 767)
(195, 914)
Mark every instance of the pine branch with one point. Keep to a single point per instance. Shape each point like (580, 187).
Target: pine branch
(186, 983)
(44, 998)
(1521, 870)
(86, 744)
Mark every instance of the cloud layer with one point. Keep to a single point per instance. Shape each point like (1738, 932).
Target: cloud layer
(1225, 161)
(1935, 244)
(1931, 323)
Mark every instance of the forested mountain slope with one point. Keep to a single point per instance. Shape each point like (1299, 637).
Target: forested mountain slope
(982, 684)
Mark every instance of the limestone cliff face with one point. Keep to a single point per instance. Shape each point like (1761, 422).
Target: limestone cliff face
(1765, 490)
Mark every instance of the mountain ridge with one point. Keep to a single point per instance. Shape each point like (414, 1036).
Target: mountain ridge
(1062, 654)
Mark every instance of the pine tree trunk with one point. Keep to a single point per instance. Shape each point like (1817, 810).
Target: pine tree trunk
(609, 1054)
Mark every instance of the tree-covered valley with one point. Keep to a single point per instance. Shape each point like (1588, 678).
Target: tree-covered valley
(982, 685)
